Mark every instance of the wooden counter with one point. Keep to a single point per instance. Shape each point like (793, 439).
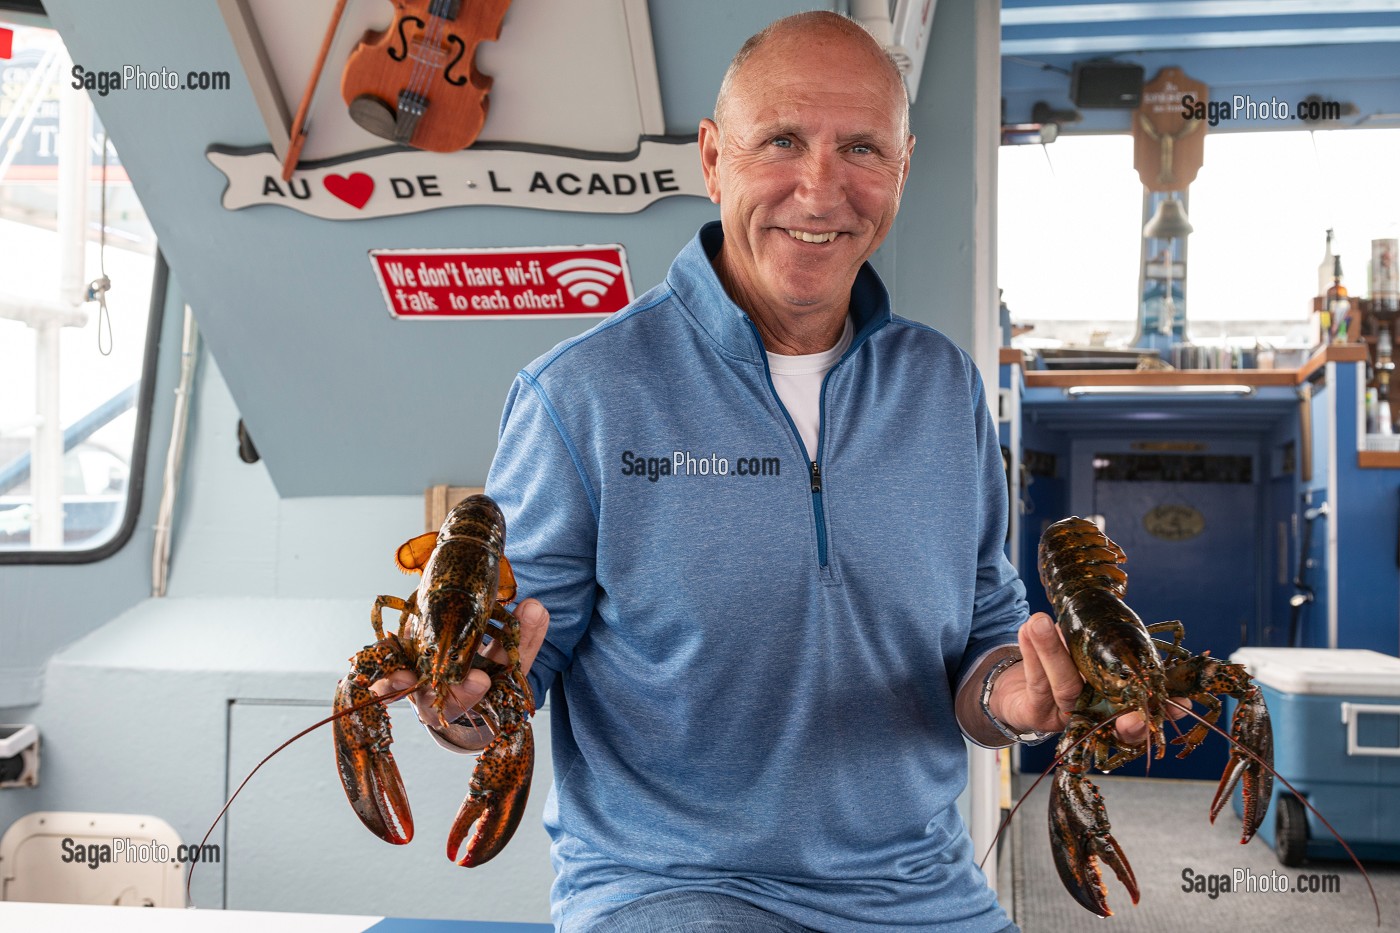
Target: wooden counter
(1378, 459)
(1050, 378)
(1149, 378)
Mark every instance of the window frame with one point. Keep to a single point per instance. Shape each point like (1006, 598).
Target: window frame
(140, 444)
(31, 12)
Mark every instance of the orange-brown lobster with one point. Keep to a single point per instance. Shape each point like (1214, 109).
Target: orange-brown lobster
(1122, 669)
(442, 624)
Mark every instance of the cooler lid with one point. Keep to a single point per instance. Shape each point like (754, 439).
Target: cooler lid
(1331, 671)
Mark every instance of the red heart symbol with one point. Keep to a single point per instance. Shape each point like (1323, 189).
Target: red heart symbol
(354, 190)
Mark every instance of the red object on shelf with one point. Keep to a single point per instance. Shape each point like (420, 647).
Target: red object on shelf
(6, 41)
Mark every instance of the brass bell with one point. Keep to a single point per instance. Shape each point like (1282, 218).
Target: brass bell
(1169, 221)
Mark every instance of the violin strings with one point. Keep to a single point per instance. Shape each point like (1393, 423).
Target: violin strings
(415, 73)
(421, 76)
(418, 77)
(434, 42)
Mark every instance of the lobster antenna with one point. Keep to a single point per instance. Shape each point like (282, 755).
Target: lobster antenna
(1296, 793)
(386, 698)
(1147, 764)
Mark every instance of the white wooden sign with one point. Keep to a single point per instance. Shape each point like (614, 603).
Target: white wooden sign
(385, 183)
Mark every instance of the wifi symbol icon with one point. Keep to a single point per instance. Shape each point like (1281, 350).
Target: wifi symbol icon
(586, 279)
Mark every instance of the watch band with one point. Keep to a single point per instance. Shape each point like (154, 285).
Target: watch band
(468, 719)
(469, 732)
(1032, 737)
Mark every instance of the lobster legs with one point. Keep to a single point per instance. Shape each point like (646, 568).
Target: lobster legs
(1079, 828)
(1250, 729)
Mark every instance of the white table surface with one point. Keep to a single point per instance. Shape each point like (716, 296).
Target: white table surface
(16, 917)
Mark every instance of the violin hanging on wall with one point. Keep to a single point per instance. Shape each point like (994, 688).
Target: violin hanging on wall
(417, 83)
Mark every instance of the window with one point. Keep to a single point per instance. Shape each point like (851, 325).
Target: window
(1067, 257)
(1070, 224)
(72, 372)
(1262, 206)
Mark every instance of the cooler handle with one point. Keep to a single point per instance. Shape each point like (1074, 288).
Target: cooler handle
(1351, 713)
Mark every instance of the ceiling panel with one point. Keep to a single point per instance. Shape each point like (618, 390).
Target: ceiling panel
(1037, 27)
(1344, 50)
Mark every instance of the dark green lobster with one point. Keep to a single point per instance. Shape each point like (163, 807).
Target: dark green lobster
(1123, 669)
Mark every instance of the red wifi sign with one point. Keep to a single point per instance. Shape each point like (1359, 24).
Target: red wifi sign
(541, 282)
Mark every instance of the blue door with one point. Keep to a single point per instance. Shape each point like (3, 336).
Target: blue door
(1187, 516)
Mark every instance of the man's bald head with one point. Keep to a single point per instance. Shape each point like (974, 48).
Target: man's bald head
(804, 26)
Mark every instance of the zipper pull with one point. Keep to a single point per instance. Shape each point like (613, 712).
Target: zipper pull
(816, 477)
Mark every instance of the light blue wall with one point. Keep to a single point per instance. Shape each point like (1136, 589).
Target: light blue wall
(340, 398)
(352, 404)
(928, 260)
(276, 564)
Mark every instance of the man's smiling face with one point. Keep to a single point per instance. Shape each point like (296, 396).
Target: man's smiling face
(807, 168)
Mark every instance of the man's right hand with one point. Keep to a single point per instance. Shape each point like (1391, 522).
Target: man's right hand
(1041, 692)
(534, 622)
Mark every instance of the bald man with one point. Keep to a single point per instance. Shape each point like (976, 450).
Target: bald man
(766, 516)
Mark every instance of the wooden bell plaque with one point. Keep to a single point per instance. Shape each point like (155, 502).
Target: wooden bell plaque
(1168, 145)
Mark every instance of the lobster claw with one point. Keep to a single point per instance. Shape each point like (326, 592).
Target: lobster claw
(1252, 729)
(500, 783)
(367, 770)
(1079, 837)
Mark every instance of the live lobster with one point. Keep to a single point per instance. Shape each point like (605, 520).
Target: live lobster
(442, 625)
(1123, 670)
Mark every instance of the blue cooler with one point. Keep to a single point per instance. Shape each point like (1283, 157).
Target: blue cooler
(1336, 721)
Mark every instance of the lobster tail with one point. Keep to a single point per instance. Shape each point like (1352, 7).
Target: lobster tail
(1074, 556)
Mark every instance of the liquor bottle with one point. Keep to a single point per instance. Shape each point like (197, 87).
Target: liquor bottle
(1338, 306)
(1324, 268)
(1384, 367)
(1385, 276)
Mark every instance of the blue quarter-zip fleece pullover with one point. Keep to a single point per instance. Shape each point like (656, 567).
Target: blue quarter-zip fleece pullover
(757, 654)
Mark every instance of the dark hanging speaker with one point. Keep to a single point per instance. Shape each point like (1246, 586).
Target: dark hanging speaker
(1106, 85)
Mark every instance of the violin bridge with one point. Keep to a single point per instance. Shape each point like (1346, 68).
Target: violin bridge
(412, 106)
